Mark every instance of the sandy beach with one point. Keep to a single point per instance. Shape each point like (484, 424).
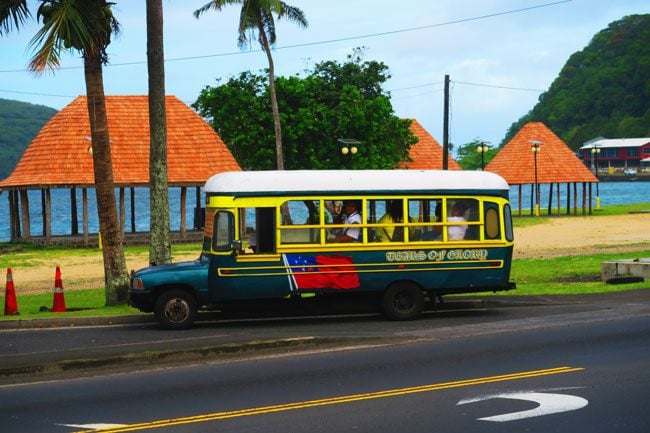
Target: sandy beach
(555, 237)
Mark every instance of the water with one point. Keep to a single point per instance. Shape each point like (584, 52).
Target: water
(60, 203)
(611, 193)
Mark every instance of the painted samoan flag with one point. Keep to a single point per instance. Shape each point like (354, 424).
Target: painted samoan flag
(321, 272)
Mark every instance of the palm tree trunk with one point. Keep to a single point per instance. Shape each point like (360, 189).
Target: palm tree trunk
(159, 246)
(115, 274)
(274, 102)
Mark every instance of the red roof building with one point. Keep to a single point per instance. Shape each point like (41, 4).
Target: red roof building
(426, 154)
(60, 156)
(553, 163)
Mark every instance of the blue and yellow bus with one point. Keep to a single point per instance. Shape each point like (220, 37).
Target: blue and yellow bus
(403, 236)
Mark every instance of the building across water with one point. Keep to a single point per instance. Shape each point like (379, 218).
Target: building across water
(609, 156)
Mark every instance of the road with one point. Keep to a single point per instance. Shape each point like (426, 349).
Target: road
(589, 373)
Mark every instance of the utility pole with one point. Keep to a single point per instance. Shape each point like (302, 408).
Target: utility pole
(445, 128)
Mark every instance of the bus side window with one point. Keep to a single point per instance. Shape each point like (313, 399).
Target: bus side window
(375, 211)
(492, 224)
(223, 231)
(426, 211)
(472, 215)
(301, 225)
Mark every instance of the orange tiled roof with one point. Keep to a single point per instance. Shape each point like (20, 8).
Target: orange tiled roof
(556, 163)
(59, 157)
(426, 154)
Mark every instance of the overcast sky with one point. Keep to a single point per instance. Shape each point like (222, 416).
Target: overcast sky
(485, 46)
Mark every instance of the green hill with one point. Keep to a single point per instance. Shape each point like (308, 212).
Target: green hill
(603, 90)
(19, 124)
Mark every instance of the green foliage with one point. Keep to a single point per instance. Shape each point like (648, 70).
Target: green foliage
(603, 90)
(19, 123)
(333, 101)
(469, 158)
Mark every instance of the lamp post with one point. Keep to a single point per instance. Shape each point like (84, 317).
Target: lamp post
(348, 149)
(595, 151)
(482, 149)
(536, 148)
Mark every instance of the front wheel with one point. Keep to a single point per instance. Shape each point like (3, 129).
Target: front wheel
(403, 301)
(176, 309)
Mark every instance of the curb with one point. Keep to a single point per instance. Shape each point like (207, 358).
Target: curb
(151, 359)
(66, 322)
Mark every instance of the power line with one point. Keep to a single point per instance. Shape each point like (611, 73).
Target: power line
(500, 87)
(36, 94)
(330, 41)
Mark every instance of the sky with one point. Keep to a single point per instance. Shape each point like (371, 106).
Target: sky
(500, 55)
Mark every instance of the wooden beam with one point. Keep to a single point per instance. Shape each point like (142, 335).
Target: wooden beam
(24, 202)
(183, 212)
(84, 201)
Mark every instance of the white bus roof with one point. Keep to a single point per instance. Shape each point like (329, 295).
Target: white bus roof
(341, 181)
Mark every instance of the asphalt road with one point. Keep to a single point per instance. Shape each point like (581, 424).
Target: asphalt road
(71, 348)
(588, 374)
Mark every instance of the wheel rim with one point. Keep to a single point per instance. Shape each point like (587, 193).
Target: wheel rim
(403, 301)
(177, 310)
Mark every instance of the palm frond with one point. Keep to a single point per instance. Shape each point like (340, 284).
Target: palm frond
(293, 14)
(85, 26)
(13, 13)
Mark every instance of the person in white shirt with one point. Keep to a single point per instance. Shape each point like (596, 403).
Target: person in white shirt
(457, 232)
(352, 217)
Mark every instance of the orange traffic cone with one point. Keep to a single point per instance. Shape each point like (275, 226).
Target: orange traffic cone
(11, 306)
(58, 306)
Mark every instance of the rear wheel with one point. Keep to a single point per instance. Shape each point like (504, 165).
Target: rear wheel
(403, 301)
(176, 309)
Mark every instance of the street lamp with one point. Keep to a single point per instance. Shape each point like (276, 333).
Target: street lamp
(349, 148)
(482, 149)
(595, 151)
(536, 148)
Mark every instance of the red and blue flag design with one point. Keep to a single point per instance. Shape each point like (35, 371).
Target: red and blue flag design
(321, 272)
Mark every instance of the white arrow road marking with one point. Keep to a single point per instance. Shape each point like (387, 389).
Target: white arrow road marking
(548, 404)
(98, 426)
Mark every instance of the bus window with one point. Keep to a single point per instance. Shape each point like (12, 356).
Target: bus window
(223, 231)
(463, 210)
(304, 218)
(424, 212)
(375, 212)
(492, 226)
(393, 228)
(507, 219)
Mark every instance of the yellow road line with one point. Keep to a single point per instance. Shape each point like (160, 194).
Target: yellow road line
(333, 400)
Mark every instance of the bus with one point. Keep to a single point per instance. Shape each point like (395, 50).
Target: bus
(409, 237)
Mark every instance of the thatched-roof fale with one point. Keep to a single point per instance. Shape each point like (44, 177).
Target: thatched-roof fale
(553, 164)
(426, 154)
(61, 154)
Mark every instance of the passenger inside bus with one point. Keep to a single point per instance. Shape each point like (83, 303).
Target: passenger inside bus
(457, 232)
(351, 217)
(394, 214)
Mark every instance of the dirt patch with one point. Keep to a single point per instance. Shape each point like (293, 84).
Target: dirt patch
(583, 235)
(556, 237)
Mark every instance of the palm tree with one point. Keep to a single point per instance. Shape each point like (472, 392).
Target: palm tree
(159, 245)
(257, 16)
(85, 26)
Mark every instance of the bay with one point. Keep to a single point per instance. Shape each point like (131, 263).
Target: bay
(611, 193)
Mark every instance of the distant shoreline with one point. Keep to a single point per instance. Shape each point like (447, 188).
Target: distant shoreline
(623, 178)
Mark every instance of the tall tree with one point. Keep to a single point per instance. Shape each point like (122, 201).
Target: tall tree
(85, 26)
(257, 16)
(159, 245)
(336, 100)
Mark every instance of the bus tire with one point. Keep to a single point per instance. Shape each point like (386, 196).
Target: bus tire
(403, 301)
(176, 309)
